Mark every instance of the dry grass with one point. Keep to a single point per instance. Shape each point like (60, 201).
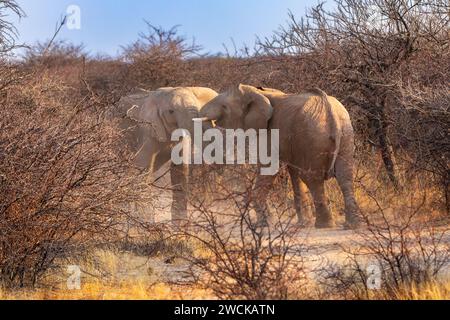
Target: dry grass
(139, 290)
(428, 291)
(112, 275)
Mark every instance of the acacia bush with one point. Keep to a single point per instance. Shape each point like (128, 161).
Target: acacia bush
(8, 31)
(395, 253)
(234, 257)
(54, 54)
(65, 180)
(157, 58)
(364, 53)
(422, 132)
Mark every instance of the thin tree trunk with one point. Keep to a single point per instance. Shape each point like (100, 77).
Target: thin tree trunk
(380, 125)
(446, 187)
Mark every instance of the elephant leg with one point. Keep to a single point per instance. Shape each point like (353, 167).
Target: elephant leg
(158, 160)
(147, 153)
(158, 163)
(261, 189)
(179, 193)
(324, 218)
(344, 176)
(300, 196)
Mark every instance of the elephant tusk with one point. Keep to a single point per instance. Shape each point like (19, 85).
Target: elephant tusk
(201, 119)
(130, 112)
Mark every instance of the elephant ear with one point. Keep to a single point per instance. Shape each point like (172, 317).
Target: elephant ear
(168, 119)
(258, 110)
(154, 117)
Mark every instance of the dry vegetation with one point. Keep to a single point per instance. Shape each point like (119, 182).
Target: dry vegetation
(66, 183)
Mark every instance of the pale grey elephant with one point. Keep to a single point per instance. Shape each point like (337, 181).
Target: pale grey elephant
(148, 119)
(316, 142)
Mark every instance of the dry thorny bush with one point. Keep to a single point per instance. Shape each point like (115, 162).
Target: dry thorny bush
(366, 53)
(233, 256)
(397, 250)
(157, 58)
(66, 181)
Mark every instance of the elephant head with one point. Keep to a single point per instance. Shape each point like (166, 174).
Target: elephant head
(168, 109)
(241, 107)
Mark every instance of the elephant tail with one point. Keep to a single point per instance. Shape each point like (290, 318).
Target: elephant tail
(335, 131)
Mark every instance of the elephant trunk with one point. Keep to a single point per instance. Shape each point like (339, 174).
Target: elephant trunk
(211, 112)
(133, 112)
(193, 113)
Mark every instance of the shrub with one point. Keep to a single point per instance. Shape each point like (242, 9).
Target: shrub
(236, 258)
(394, 254)
(65, 180)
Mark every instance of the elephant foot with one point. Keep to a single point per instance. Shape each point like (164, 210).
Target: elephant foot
(179, 220)
(303, 223)
(262, 223)
(179, 223)
(352, 223)
(325, 223)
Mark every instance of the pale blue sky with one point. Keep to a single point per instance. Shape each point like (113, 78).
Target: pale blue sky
(108, 24)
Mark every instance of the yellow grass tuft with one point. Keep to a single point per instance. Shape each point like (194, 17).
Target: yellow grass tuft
(123, 291)
(427, 291)
(141, 291)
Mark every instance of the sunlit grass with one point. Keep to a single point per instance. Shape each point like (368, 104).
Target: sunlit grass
(122, 291)
(143, 291)
(427, 291)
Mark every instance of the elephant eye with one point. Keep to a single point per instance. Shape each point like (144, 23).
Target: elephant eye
(171, 111)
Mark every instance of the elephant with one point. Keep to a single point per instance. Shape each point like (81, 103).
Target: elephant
(316, 141)
(148, 119)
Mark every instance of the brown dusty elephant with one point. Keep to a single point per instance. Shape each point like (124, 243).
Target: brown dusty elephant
(149, 118)
(316, 142)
